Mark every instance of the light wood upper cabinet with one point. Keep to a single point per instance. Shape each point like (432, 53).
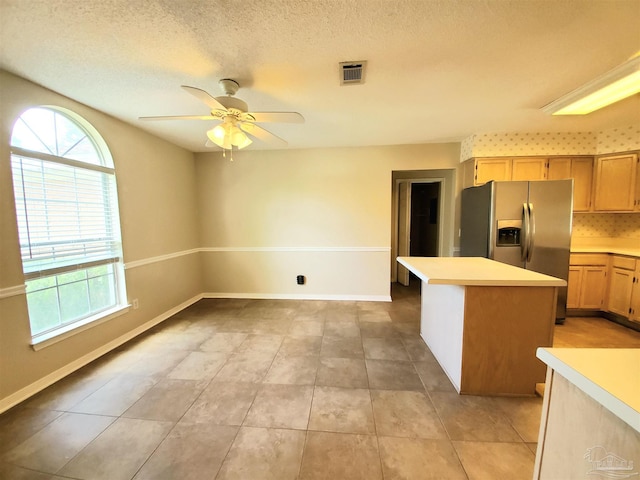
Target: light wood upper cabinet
(611, 183)
(616, 183)
(559, 169)
(581, 170)
(487, 169)
(529, 169)
(582, 174)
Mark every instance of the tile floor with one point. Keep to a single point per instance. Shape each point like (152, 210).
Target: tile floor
(261, 389)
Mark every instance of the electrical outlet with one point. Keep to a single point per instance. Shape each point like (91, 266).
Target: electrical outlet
(135, 303)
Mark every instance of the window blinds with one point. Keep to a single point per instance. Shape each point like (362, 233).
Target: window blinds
(66, 214)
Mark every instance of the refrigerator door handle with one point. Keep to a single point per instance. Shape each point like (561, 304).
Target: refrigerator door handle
(531, 231)
(524, 237)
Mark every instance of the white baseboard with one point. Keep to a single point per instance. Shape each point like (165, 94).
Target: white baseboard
(30, 390)
(293, 296)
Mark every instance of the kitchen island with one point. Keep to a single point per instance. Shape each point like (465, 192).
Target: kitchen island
(483, 321)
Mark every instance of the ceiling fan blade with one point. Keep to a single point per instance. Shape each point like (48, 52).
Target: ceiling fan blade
(281, 117)
(180, 117)
(203, 96)
(262, 134)
(209, 143)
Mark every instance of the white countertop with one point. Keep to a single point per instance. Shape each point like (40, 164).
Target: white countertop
(475, 271)
(611, 376)
(632, 252)
(617, 246)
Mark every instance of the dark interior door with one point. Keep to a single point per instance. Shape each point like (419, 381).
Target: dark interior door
(425, 199)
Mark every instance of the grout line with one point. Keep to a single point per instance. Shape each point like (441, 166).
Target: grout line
(260, 385)
(304, 448)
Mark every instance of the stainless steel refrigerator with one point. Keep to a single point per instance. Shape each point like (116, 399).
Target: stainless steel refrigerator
(526, 224)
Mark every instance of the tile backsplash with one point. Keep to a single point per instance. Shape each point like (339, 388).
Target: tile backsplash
(606, 225)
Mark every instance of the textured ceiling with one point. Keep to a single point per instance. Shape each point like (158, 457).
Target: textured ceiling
(437, 70)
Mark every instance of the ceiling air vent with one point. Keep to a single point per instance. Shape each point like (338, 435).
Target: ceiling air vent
(352, 73)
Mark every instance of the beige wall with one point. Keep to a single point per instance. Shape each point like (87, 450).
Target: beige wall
(157, 198)
(323, 213)
(194, 224)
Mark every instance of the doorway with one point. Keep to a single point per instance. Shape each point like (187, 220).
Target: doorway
(419, 226)
(423, 241)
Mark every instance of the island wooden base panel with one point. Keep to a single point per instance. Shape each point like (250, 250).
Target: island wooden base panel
(503, 327)
(579, 438)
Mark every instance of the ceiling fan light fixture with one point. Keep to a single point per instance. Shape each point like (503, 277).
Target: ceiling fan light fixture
(227, 135)
(240, 139)
(615, 85)
(217, 133)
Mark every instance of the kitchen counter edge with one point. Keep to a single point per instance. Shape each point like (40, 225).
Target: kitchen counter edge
(630, 252)
(582, 367)
(492, 274)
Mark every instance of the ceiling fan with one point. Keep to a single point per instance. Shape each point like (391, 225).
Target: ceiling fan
(236, 120)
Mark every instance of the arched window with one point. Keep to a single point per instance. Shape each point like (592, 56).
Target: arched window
(68, 223)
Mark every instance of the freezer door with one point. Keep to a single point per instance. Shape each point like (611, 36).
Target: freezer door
(507, 210)
(551, 219)
(475, 221)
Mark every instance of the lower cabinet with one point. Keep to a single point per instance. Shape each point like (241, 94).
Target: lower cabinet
(620, 291)
(599, 281)
(587, 284)
(624, 287)
(574, 285)
(635, 296)
(594, 285)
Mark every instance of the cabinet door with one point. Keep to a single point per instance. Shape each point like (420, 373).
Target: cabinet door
(615, 183)
(581, 170)
(582, 173)
(593, 287)
(574, 285)
(637, 202)
(620, 286)
(488, 169)
(635, 296)
(529, 169)
(469, 173)
(559, 169)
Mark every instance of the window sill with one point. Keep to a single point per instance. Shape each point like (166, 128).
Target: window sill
(38, 342)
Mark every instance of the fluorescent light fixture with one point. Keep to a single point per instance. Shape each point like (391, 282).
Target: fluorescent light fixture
(615, 85)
